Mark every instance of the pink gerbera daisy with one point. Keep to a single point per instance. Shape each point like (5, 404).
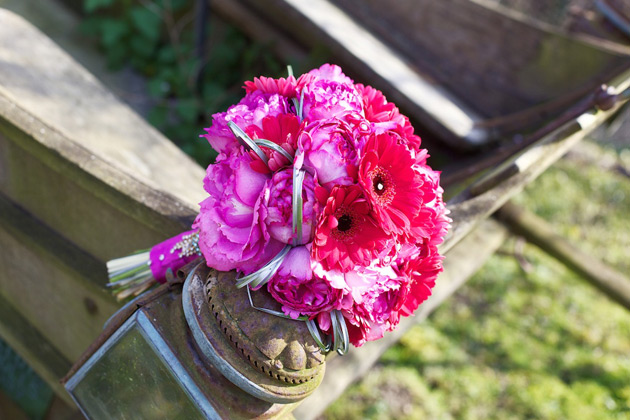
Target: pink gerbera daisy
(346, 235)
(392, 186)
(285, 87)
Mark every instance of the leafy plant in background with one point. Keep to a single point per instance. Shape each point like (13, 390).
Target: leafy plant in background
(157, 39)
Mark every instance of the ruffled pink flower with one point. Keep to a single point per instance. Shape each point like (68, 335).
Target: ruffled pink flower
(232, 233)
(385, 116)
(331, 72)
(278, 196)
(370, 303)
(251, 110)
(432, 221)
(328, 150)
(347, 236)
(329, 93)
(298, 290)
(285, 87)
(420, 265)
(282, 130)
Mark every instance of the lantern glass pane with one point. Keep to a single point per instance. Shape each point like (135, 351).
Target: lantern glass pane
(131, 381)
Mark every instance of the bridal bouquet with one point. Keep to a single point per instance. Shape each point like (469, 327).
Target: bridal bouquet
(321, 194)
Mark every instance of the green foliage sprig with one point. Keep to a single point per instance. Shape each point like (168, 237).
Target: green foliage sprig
(157, 39)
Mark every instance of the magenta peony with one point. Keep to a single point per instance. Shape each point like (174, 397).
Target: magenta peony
(231, 229)
(329, 152)
(298, 290)
(277, 196)
(329, 94)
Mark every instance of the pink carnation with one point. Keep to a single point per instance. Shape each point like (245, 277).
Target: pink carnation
(330, 93)
(232, 234)
(372, 298)
(282, 130)
(420, 266)
(299, 292)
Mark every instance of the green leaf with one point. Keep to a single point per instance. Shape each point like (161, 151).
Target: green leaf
(178, 5)
(112, 32)
(91, 26)
(146, 22)
(188, 109)
(166, 55)
(117, 56)
(158, 87)
(142, 46)
(91, 5)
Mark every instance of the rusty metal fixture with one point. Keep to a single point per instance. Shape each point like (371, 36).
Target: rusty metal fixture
(201, 346)
(270, 357)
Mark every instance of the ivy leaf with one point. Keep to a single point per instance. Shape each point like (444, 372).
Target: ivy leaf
(146, 22)
(91, 5)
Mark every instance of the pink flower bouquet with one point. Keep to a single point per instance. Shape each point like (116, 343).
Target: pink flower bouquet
(321, 194)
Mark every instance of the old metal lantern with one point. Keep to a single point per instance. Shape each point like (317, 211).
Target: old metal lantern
(197, 350)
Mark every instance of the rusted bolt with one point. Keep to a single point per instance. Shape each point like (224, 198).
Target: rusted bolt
(606, 98)
(90, 305)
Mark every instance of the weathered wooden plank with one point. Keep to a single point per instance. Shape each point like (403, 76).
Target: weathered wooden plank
(55, 286)
(492, 191)
(82, 180)
(95, 215)
(469, 45)
(37, 76)
(77, 182)
(362, 53)
(458, 75)
(459, 265)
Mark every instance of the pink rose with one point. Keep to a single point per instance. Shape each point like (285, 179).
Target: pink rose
(299, 292)
(232, 234)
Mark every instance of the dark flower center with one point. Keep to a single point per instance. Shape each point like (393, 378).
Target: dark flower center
(383, 185)
(379, 185)
(344, 223)
(348, 224)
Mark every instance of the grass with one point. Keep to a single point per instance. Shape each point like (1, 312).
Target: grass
(517, 345)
